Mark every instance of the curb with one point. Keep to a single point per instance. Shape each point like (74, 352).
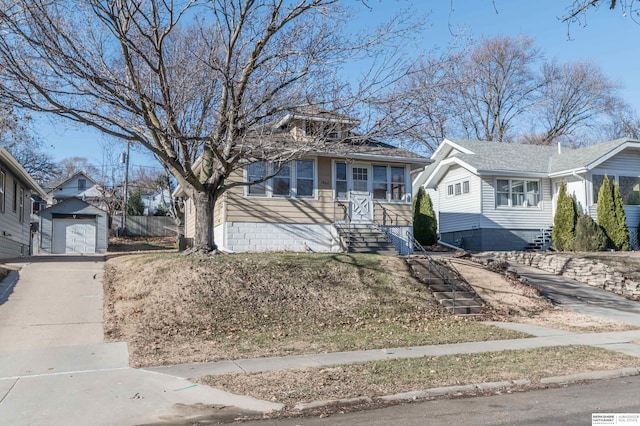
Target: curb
(592, 375)
(450, 390)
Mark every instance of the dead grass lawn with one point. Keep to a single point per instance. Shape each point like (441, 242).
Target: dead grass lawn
(395, 376)
(178, 309)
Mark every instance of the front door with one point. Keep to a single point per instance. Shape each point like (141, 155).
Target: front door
(360, 200)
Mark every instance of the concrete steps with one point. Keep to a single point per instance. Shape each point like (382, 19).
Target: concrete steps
(451, 293)
(366, 238)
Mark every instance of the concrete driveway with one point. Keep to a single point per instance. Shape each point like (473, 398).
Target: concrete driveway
(55, 367)
(580, 297)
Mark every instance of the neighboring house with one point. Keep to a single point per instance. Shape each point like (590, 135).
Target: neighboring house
(310, 203)
(501, 196)
(73, 226)
(16, 187)
(75, 221)
(152, 200)
(78, 186)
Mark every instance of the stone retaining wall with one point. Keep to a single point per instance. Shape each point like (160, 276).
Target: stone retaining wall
(587, 271)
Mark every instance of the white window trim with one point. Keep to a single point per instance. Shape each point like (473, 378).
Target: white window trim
(3, 192)
(21, 204)
(406, 199)
(293, 193)
(525, 205)
(458, 184)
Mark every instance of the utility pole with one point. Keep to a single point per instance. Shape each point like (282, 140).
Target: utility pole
(123, 223)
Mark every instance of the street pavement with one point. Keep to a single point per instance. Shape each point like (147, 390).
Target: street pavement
(55, 367)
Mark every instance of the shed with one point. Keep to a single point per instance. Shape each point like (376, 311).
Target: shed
(73, 226)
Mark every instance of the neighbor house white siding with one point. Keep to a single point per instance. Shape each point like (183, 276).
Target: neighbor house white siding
(515, 217)
(463, 211)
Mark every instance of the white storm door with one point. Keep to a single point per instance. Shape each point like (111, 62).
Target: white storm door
(360, 200)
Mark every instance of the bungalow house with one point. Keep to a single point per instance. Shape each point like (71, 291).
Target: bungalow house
(16, 187)
(313, 203)
(500, 196)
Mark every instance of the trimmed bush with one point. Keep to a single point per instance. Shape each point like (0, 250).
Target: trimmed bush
(425, 224)
(606, 210)
(620, 237)
(589, 235)
(564, 221)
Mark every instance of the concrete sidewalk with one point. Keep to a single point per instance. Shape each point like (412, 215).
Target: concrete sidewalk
(56, 369)
(621, 341)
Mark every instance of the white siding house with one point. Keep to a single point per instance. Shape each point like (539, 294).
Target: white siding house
(513, 188)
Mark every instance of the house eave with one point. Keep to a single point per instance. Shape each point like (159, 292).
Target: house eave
(568, 172)
(511, 173)
(382, 158)
(19, 171)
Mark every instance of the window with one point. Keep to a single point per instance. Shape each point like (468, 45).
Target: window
(360, 179)
(398, 188)
(517, 193)
(341, 181)
(630, 190)
(304, 178)
(15, 195)
(458, 188)
(294, 179)
(281, 182)
(2, 192)
(82, 184)
(21, 205)
(257, 171)
(380, 182)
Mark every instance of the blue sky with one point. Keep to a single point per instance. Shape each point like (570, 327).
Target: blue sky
(608, 39)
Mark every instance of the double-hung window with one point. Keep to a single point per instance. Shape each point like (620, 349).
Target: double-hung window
(292, 179)
(517, 193)
(388, 183)
(341, 181)
(255, 172)
(2, 191)
(21, 205)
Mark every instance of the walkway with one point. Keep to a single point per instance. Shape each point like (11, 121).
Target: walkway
(56, 369)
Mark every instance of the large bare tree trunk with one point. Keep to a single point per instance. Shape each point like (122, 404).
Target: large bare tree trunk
(204, 204)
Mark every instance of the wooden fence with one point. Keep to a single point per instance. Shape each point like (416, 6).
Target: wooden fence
(147, 226)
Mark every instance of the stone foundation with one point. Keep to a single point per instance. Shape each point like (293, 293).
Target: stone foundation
(587, 271)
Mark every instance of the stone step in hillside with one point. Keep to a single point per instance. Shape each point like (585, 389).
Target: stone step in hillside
(448, 288)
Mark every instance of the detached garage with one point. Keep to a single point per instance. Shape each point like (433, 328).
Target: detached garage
(73, 227)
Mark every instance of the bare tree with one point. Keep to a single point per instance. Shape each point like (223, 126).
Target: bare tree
(23, 144)
(185, 79)
(496, 84)
(422, 107)
(72, 165)
(577, 11)
(575, 95)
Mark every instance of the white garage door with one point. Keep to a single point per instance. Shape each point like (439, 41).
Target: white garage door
(74, 236)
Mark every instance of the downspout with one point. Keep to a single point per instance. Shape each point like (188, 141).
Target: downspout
(584, 185)
(450, 245)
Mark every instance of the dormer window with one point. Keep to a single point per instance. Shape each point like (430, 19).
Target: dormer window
(82, 184)
(321, 130)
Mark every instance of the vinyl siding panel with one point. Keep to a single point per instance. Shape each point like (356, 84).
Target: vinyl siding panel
(459, 212)
(515, 217)
(15, 234)
(189, 219)
(281, 210)
(626, 163)
(393, 214)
